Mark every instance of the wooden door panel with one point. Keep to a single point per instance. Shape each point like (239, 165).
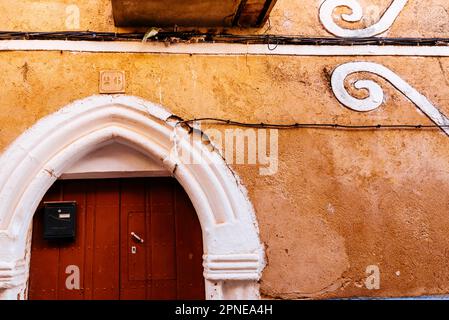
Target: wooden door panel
(44, 268)
(164, 290)
(106, 240)
(167, 265)
(163, 233)
(89, 233)
(137, 253)
(163, 238)
(94, 251)
(73, 253)
(133, 218)
(189, 246)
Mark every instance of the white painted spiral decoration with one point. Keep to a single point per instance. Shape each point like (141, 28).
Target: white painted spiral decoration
(327, 11)
(376, 94)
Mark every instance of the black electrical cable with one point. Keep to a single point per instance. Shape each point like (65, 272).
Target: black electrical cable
(314, 125)
(210, 37)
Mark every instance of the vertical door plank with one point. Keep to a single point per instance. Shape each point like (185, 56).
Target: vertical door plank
(133, 219)
(72, 253)
(189, 244)
(163, 238)
(44, 255)
(106, 241)
(89, 241)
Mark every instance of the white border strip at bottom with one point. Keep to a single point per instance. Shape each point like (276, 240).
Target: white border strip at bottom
(220, 48)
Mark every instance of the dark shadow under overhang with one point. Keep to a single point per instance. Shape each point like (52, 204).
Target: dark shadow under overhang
(191, 13)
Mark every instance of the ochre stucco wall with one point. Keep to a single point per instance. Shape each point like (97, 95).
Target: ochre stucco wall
(290, 17)
(341, 200)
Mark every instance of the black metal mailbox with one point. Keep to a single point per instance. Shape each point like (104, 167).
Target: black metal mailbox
(59, 220)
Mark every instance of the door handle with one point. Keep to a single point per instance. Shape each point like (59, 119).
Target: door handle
(136, 237)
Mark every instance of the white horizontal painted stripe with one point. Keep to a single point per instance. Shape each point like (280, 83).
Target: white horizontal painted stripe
(220, 48)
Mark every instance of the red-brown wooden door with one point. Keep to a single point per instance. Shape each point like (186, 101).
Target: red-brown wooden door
(112, 215)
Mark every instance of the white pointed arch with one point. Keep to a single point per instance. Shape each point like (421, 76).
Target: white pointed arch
(232, 249)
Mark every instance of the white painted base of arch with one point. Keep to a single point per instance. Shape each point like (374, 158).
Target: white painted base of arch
(233, 253)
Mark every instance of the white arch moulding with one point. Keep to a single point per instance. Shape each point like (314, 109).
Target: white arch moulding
(233, 253)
